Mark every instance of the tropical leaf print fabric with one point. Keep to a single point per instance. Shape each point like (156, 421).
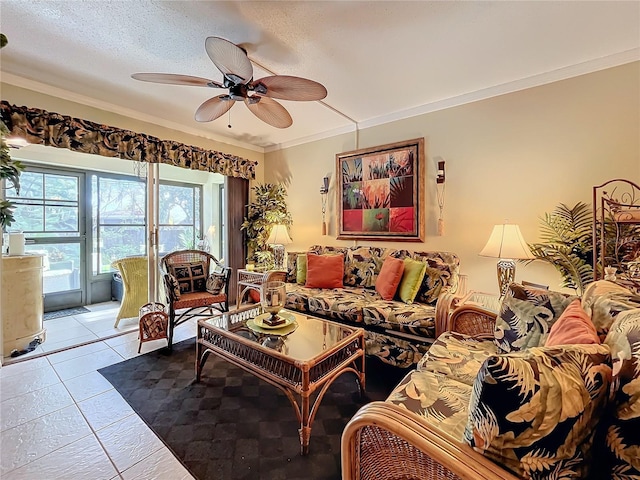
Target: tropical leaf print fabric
(457, 356)
(438, 399)
(604, 300)
(535, 412)
(526, 316)
(623, 432)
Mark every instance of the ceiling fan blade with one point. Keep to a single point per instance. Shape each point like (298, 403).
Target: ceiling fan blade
(286, 87)
(175, 79)
(230, 59)
(269, 111)
(213, 108)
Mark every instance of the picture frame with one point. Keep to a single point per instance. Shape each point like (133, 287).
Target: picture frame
(381, 192)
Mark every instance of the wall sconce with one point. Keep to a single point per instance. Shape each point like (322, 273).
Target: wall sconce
(440, 194)
(440, 175)
(324, 190)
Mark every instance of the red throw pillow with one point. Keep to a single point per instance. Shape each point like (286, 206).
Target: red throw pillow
(324, 271)
(254, 295)
(389, 277)
(573, 326)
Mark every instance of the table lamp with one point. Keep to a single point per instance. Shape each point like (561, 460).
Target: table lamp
(507, 244)
(278, 238)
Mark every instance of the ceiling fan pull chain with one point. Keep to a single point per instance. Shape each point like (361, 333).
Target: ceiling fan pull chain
(229, 123)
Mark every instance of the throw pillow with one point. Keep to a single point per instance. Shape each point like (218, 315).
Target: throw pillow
(215, 283)
(573, 327)
(535, 412)
(301, 269)
(191, 277)
(324, 271)
(175, 287)
(526, 315)
(604, 300)
(411, 279)
(254, 295)
(389, 277)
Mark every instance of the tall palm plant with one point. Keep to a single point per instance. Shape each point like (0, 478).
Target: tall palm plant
(567, 244)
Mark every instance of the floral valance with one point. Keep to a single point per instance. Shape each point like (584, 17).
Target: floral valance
(55, 130)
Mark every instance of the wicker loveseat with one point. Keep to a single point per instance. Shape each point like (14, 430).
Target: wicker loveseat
(503, 408)
(397, 332)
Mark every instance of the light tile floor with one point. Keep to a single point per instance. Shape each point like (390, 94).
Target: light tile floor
(60, 419)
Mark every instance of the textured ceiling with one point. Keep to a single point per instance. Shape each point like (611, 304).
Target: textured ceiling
(378, 60)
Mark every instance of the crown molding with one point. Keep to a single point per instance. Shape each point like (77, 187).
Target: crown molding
(564, 73)
(39, 87)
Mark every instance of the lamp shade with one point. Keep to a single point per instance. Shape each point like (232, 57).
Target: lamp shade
(279, 236)
(506, 241)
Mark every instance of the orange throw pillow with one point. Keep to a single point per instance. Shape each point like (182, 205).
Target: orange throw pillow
(389, 277)
(324, 271)
(573, 326)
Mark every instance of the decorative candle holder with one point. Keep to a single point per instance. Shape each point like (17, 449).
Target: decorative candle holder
(273, 296)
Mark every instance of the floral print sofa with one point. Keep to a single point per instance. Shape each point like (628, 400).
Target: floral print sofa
(397, 332)
(510, 407)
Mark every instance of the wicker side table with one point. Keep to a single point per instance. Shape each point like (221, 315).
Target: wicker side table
(153, 324)
(253, 279)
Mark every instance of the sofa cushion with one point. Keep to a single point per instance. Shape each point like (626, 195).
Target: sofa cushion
(417, 318)
(412, 276)
(457, 356)
(440, 400)
(535, 411)
(394, 351)
(623, 431)
(362, 266)
(442, 271)
(526, 315)
(344, 304)
(292, 265)
(389, 277)
(604, 300)
(573, 326)
(324, 271)
(301, 269)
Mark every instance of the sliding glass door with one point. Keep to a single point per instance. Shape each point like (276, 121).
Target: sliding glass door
(50, 214)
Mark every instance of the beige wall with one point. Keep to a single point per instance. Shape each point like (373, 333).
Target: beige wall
(511, 157)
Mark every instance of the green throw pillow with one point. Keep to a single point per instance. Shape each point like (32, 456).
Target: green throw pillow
(412, 276)
(301, 269)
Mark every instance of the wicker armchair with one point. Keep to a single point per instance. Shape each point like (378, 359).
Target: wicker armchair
(135, 284)
(384, 441)
(191, 293)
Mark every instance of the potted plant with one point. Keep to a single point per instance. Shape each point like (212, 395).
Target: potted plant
(567, 244)
(10, 170)
(268, 208)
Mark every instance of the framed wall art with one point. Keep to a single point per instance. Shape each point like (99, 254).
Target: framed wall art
(381, 192)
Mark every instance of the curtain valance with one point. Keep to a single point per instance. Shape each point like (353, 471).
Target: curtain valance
(55, 130)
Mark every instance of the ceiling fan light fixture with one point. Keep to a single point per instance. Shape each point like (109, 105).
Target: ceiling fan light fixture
(237, 72)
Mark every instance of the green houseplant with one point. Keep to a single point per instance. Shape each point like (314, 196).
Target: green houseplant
(567, 244)
(10, 169)
(268, 208)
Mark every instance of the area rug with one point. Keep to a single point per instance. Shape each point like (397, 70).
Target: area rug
(232, 425)
(65, 313)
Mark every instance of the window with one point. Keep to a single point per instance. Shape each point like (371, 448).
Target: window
(179, 219)
(47, 205)
(119, 218)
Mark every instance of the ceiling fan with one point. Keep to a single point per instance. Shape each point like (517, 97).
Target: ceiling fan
(258, 95)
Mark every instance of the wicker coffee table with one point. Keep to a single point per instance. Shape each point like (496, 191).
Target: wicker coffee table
(305, 357)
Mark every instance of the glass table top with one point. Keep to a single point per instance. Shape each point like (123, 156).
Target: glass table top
(303, 337)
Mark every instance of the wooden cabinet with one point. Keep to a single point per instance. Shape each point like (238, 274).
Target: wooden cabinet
(22, 302)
